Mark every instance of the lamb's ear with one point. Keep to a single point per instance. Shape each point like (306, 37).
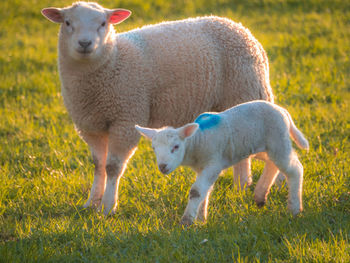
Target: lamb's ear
(147, 132)
(188, 130)
(53, 14)
(117, 16)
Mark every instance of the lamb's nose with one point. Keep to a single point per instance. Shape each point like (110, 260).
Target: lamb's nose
(84, 44)
(163, 168)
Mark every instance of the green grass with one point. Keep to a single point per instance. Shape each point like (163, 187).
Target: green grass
(46, 170)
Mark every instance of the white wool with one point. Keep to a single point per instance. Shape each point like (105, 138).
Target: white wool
(218, 140)
(155, 75)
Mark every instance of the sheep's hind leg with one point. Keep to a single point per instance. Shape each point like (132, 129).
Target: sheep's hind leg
(242, 174)
(265, 182)
(98, 146)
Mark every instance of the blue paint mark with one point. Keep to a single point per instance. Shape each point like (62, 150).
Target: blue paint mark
(207, 120)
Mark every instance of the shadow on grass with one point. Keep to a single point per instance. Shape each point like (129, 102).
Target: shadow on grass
(87, 236)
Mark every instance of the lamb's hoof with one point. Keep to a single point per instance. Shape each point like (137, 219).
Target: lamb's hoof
(186, 221)
(201, 219)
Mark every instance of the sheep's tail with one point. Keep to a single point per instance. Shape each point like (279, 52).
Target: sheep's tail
(296, 135)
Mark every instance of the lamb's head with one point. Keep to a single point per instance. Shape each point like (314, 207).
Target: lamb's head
(169, 144)
(85, 27)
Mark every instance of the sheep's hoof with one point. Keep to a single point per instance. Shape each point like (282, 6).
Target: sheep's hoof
(295, 210)
(106, 212)
(92, 203)
(186, 221)
(260, 204)
(87, 204)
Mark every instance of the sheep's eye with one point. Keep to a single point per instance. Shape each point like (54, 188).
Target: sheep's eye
(67, 23)
(175, 148)
(103, 24)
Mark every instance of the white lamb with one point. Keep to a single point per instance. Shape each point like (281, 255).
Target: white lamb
(160, 74)
(255, 128)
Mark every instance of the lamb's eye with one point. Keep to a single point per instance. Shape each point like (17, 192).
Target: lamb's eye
(67, 23)
(174, 148)
(103, 24)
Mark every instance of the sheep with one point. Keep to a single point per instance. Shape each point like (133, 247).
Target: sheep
(216, 141)
(149, 75)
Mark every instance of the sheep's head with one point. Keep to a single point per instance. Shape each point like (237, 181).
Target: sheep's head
(85, 27)
(169, 144)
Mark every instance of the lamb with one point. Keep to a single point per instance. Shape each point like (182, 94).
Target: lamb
(149, 76)
(216, 141)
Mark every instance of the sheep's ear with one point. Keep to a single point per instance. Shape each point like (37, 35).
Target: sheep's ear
(53, 14)
(188, 130)
(117, 16)
(147, 132)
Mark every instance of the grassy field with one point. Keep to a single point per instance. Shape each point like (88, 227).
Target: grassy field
(46, 170)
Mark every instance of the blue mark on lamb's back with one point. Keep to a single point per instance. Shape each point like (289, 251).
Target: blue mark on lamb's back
(207, 120)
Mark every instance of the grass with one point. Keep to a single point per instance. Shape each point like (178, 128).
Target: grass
(46, 170)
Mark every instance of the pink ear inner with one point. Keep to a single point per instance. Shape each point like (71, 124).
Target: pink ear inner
(189, 130)
(119, 16)
(53, 14)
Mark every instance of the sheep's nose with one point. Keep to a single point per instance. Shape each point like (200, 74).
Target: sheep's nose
(163, 168)
(84, 44)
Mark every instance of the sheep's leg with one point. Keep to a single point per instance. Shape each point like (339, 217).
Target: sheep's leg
(293, 170)
(199, 191)
(98, 146)
(122, 144)
(242, 174)
(203, 208)
(279, 179)
(265, 182)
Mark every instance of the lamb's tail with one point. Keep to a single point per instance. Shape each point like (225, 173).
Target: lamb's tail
(296, 135)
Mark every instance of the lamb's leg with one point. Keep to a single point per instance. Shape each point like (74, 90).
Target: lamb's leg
(98, 146)
(242, 175)
(122, 144)
(265, 182)
(279, 180)
(199, 191)
(293, 170)
(203, 208)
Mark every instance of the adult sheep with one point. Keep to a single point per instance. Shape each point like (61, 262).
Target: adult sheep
(155, 75)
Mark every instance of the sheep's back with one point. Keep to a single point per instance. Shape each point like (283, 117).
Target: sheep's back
(201, 64)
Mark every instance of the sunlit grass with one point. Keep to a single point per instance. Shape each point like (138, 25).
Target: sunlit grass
(46, 170)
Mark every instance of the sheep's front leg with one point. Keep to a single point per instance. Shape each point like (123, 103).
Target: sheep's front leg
(121, 146)
(199, 191)
(242, 174)
(98, 146)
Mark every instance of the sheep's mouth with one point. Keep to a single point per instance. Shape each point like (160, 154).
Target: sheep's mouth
(84, 51)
